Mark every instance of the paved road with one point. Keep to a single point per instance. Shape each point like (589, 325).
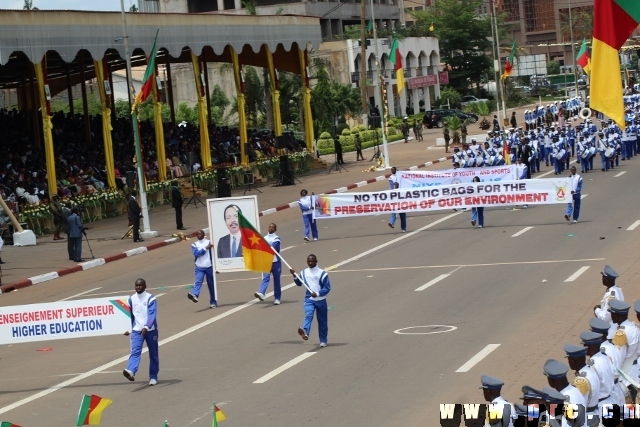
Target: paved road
(518, 299)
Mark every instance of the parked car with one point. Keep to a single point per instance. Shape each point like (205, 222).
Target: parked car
(434, 117)
(469, 99)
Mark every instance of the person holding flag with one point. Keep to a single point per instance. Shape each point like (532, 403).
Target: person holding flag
(201, 250)
(276, 268)
(316, 280)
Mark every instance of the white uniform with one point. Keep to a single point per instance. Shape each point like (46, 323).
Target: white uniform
(508, 413)
(631, 331)
(593, 395)
(576, 398)
(613, 292)
(603, 367)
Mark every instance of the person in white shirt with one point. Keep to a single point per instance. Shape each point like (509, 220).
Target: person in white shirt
(576, 188)
(316, 280)
(276, 268)
(613, 291)
(501, 412)
(144, 327)
(306, 204)
(204, 268)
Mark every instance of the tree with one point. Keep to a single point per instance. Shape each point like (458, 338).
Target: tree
(450, 96)
(331, 100)
(219, 104)
(253, 95)
(133, 8)
(464, 38)
(28, 5)
(553, 67)
(290, 86)
(250, 6)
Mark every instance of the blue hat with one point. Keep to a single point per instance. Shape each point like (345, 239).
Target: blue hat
(491, 382)
(599, 325)
(609, 272)
(529, 392)
(636, 306)
(554, 396)
(555, 369)
(591, 338)
(575, 350)
(618, 307)
(521, 410)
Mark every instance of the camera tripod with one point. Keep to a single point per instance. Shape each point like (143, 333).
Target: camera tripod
(337, 166)
(376, 154)
(194, 199)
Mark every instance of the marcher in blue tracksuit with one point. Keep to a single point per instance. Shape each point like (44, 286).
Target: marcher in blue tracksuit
(576, 188)
(276, 268)
(316, 281)
(307, 204)
(144, 327)
(201, 250)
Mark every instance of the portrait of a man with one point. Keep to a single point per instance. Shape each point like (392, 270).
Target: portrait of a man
(230, 245)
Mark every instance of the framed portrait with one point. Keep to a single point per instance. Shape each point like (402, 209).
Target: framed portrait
(224, 230)
(107, 87)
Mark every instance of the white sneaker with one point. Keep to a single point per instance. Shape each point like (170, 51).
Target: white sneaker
(575, 221)
(479, 226)
(323, 344)
(213, 306)
(315, 238)
(276, 302)
(259, 295)
(153, 382)
(306, 238)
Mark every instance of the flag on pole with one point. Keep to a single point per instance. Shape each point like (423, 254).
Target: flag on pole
(508, 66)
(395, 57)
(149, 76)
(583, 58)
(432, 27)
(613, 22)
(506, 152)
(91, 409)
(370, 28)
(218, 415)
(166, 424)
(257, 252)
(8, 424)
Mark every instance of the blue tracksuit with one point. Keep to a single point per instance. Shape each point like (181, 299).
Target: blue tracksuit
(575, 207)
(276, 269)
(318, 280)
(203, 272)
(151, 338)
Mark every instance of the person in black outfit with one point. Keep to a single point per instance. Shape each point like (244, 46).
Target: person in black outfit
(526, 154)
(134, 216)
(496, 124)
(338, 147)
(514, 121)
(176, 202)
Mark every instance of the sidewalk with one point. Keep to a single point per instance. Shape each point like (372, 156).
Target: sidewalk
(26, 266)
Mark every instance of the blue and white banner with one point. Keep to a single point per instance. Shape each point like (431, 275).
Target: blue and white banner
(416, 179)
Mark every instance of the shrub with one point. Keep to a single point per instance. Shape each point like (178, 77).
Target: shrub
(345, 132)
(362, 128)
(341, 127)
(391, 131)
(325, 135)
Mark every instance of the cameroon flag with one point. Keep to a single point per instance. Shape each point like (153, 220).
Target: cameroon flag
(8, 424)
(583, 58)
(508, 66)
(395, 57)
(370, 28)
(218, 416)
(91, 409)
(149, 75)
(613, 22)
(257, 253)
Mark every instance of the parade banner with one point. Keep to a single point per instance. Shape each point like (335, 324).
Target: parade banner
(466, 195)
(414, 179)
(64, 319)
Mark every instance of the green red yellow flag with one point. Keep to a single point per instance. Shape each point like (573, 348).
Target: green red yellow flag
(257, 252)
(508, 65)
(583, 59)
(8, 424)
(395, 57)
(149, 75)
(370, 28)
(91, 409)
(613, 22)
(218, 415)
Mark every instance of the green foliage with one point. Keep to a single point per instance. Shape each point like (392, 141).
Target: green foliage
(362, 128)
(122, 109)
(254, 96)
(187, 114)
(325, 142)
(553, 67)
(290, 98)
(331, 100)
(325, 135)
(346, 131)
(391, 130)
(479, 108)
(352, 32)
(449, 93)
(250, 6)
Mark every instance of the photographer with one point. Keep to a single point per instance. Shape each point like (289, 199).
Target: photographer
(76, 230)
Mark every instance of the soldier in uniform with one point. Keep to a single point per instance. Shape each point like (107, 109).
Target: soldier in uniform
(609, 276)
(627, 334)
(496, 416)
(602, 365)
(556, 373)
(613, 353)
(586, 381)
(56, 210)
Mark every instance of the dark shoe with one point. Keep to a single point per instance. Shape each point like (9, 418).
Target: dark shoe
(473, 223)
(390, 225)
(566, 217)
(181, 228)
(1, 261)
(303, 334)
(139, 240)
(128, 375)
(77, 260)
(192, 297)
(70, 259)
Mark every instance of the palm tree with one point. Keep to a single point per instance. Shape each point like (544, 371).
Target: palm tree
(28, 5)
(454, 124)
(482, 110)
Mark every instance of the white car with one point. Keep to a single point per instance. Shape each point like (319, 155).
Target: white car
(469, 99)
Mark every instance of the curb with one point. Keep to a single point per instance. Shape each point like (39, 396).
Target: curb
(142, 249)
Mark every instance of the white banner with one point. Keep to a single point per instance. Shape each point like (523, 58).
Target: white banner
(415, 179)
(64, 319)
(467, 195)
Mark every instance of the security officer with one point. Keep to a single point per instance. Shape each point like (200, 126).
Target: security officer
(560, 415)
(619, 315)
(609, 276)
(602, 366)
(556, 373)
(532, 397)
(586, 381)
(491, 388)
(613, 353)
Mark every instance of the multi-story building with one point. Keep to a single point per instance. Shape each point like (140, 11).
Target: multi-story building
(335, 15)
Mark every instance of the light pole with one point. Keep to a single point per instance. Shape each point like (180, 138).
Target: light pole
(573, 50)
(146, 227)
(383, 121)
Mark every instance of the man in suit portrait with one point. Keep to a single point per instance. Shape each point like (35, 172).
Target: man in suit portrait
(230, 246)
(134, 216)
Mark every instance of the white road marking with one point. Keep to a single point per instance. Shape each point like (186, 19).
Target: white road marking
(544, 174)
(288, 247)
(433, 282)
(201, 325)
(524, 230)
(583, 196)
(80, 294)
(620, 174)
(633, 226)
(577, 274)
(477, 358)
(159, 295)
(284, 367)
(468, 265)
(401, 331)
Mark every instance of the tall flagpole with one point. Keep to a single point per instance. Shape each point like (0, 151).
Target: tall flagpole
(383, 122)
(146, 233)
(495, 23)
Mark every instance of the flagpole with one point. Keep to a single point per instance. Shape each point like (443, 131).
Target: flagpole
(134, 122)
(495, 21)
(213, 411)
(381, 83)
(290, 268)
